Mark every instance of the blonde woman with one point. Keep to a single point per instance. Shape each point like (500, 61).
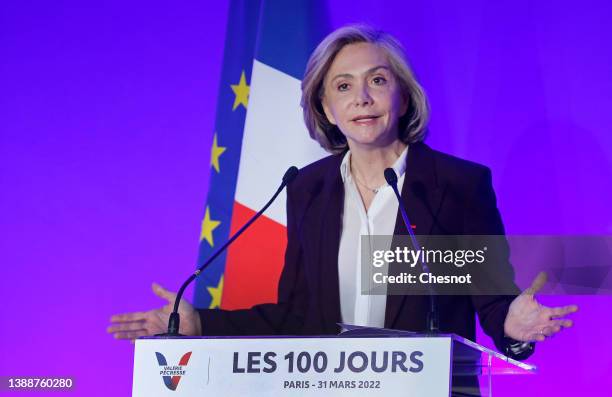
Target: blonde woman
(363, 104)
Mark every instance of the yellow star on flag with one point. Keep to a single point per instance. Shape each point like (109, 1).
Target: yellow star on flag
(241, 90)
(216, 152)
(215, 294)
(208, 225)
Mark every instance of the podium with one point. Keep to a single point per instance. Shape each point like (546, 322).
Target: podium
(359, 362)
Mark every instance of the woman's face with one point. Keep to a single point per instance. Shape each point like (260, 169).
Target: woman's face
(362, 96)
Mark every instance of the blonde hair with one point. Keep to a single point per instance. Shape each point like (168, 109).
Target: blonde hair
(412, 125)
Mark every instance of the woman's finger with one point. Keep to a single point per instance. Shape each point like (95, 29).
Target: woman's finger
(130, 334)
(131, 326)
(557, 312)
(563, 323)
(128, 317)
(163, 293)
(537, 284)
(544, 332)
(536, 337)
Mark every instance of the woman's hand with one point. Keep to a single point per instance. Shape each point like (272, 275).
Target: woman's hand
(529, 321)
(133, 325)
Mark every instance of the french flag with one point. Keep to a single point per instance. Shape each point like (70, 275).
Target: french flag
(272, 139)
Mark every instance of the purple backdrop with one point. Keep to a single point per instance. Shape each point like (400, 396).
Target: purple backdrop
(107, 115)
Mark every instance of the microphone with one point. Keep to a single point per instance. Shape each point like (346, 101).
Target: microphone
(174, 320)
(433, 320)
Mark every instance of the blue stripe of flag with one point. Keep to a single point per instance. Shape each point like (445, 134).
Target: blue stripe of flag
(288, 33)
(241, 36)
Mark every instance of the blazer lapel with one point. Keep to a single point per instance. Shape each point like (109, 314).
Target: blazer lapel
(422, 198)
(330, 224)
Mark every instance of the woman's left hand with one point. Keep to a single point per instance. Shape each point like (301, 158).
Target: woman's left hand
(529, 321)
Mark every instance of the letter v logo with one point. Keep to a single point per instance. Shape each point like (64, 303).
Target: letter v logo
(172, 382)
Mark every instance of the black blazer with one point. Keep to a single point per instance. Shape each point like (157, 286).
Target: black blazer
(442, 194)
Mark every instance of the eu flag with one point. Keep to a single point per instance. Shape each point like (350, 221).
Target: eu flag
(259, 133)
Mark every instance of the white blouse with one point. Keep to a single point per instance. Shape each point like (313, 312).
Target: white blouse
(358, 308)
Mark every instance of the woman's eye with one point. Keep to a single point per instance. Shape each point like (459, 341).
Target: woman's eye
(379, 80)
(343, 87)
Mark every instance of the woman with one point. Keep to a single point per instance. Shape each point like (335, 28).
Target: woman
(362, 103)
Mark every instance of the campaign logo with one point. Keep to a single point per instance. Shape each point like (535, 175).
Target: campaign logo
(172, 373)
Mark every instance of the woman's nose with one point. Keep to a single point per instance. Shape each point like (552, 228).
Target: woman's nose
(362, 96)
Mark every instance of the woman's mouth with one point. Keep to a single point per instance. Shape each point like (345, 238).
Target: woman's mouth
(365, 119)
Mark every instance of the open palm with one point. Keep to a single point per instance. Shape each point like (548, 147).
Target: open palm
(152, 322)
(530, 321)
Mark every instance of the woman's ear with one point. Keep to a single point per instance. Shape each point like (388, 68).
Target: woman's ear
(327, 111)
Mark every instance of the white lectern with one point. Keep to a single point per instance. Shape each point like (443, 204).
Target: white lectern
(359, 362)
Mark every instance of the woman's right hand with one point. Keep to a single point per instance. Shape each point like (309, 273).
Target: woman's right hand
(132, 325)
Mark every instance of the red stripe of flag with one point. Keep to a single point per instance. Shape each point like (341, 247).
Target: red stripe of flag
(246, 282)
